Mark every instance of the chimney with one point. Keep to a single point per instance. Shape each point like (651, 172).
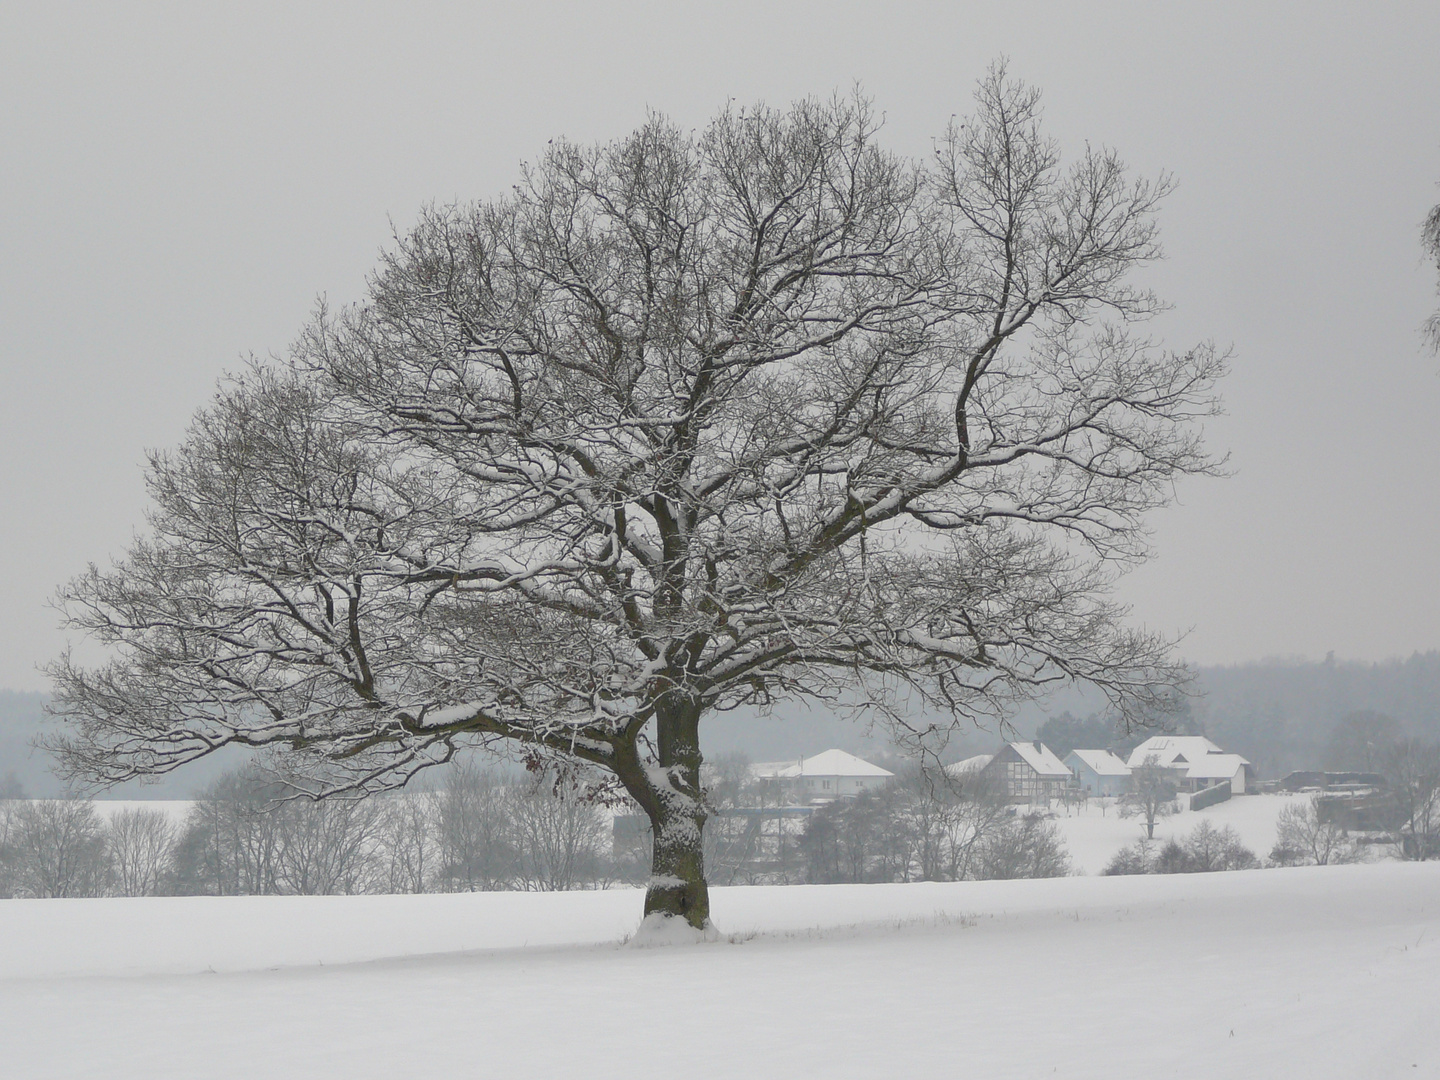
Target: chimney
(1037, 745)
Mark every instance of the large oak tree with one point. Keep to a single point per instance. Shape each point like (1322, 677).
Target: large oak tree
(685, 422)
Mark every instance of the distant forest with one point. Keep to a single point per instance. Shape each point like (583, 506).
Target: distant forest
(1281, 714)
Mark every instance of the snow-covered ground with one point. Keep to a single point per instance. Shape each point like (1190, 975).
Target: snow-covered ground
(1095, 833)
(1309, 973)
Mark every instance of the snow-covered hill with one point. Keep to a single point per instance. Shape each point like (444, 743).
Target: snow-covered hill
(1095, 833)
(1307, 973)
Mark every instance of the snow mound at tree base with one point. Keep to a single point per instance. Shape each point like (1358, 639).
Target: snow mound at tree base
(660, 928)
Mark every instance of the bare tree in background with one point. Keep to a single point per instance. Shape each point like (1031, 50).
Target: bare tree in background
(929, 828)
(1305, 835)
(1430, 239)
(9, 808)
(929, 806)
(139, 841)
(561, 836)
(1413, 781)
(409, 848)
(1023, 847)
(951, 820)
(247, 835)
(685, 422)
(327, 847)
(229, 843)
(732, 836)
(979, 812)
(475, 840)
(56, 848)
(1208, 849)
(1152, 793)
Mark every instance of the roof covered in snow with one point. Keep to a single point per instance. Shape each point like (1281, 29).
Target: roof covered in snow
(1100, 762)
(968, 765)
(1166, 748)
(1198, 756)
(1040, 758)
(1216, 766)
(829, 763)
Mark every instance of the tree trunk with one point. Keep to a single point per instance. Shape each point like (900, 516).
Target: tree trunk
(672, 798)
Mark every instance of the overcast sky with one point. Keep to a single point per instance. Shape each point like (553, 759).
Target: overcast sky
(179, 185)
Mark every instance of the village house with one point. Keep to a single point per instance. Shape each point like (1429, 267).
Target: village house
(1028, 772)
(833, 774)
(1198, 762)
(1099, 772)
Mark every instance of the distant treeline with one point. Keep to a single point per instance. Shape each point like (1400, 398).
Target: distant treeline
(1285, 715)
(243, 836)
(1281, 714)
(487, 830)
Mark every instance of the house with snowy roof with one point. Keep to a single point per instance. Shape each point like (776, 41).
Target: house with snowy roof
(1028, 772)
(1197, 761)
(1099, 772)
(833, 774)
(969, 766)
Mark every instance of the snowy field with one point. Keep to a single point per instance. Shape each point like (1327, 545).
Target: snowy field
(1308, 973)
(1095, 833)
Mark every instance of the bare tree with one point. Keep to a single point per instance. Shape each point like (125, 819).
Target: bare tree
(734, 830)
(1430, 240)
(1305, 835)
(1152, 793)
(686, 421)
(1024, 847)
(56, 848)
(1136, 858)
(9, 810)
(560, 833)
(1209, 849)
(847, 840)
(929, 828)
(229, 843)
(247, 834)
(474, 831)
(1413, 780)
(408, 842)
(328, 846)
(952, 821)
(928, 804)
(140, 841)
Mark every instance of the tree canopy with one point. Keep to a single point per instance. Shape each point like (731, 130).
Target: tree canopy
(685, 421)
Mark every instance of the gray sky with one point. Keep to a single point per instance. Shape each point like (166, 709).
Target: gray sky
(178, 185)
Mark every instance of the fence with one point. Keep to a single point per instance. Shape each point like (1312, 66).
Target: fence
(1215, 793)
